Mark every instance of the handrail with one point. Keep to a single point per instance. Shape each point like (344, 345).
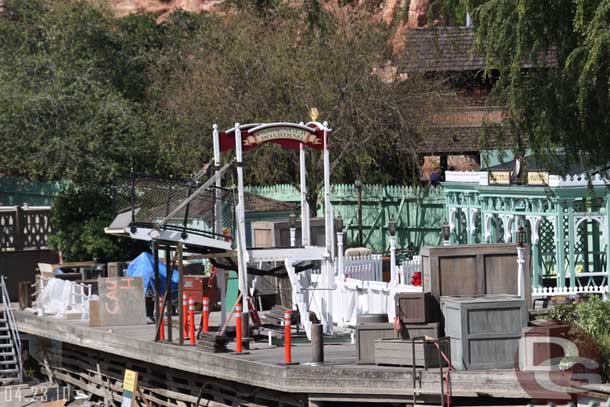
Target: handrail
(8, 312)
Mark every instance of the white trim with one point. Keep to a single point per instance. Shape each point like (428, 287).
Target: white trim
(472, 213)
(507, 224)
(535, 227)
(575, 290)
(295, 254)
(601, 219)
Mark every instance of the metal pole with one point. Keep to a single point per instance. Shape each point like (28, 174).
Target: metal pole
(304, 203)
(360, 241)
(168, 291)
(158, 315)
(327, 213)
(218, 226)
(242, 252)
(181, 317)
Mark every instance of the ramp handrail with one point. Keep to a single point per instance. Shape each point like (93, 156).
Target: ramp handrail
(211, 181)
(12, 324)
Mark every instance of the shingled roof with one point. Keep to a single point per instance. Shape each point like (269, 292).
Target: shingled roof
(461, 131)
(257, 203)
(446, 49)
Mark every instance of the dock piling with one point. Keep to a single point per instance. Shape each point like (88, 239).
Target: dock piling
(317, 343)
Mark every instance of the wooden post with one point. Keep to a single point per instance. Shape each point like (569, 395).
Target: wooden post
(158, 310)
(19, 225)
(317, 343)
(168, 291)
(182, 317)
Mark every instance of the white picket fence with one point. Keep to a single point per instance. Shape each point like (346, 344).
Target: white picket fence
(407, 268)
(367, 268)
(576, 290)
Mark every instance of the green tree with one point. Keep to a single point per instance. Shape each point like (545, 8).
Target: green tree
(71, 79)
(560, 103)
(247, 68)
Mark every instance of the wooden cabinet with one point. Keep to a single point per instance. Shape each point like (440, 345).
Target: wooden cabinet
(543, 345)
(414, 308)
(473, 270)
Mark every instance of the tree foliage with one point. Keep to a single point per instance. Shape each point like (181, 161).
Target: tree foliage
(247, 68)
(86, 97)
(552, 57)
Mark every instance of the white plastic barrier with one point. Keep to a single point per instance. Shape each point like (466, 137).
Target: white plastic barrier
(353, 297)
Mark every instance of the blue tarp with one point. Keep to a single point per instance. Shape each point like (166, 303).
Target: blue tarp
(143, 266)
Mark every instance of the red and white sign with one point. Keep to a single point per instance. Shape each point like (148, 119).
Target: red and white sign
(286, 134)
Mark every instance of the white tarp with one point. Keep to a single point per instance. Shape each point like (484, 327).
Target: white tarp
(59, 297)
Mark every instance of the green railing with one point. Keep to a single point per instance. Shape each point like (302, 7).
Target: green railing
(418, 211)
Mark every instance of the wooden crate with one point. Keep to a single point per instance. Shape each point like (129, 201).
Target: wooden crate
(431, 329)
(484, 330)
(541, 345)
(399, 352)
(366, 335)
(472, 270)
(415, 308)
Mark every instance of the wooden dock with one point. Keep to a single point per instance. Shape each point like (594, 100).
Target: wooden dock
(261, 368)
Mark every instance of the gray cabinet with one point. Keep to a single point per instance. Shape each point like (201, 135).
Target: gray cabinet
(484, 331)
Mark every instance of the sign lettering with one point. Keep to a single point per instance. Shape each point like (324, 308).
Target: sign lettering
(499, 177)
(289, 136)
(538, 178)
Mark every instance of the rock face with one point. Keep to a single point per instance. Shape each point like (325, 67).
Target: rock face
(418, 13)
(163, 7)
(382, 10)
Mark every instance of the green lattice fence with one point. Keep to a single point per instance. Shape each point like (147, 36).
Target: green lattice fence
(419, 212)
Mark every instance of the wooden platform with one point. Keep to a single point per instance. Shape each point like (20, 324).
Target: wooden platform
(339, 379)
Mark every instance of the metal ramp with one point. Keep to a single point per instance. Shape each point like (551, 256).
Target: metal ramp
(11, 365)
(174, 210)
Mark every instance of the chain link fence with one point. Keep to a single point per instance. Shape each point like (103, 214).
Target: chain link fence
(151, 199)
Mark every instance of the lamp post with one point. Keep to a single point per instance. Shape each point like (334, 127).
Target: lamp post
(410, 251)
(358, 185)
(340, 270)
(446, 234)
(392, 233)
(292, 220)
(521, 262)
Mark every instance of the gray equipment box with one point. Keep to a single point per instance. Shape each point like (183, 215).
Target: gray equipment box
(484, 331)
